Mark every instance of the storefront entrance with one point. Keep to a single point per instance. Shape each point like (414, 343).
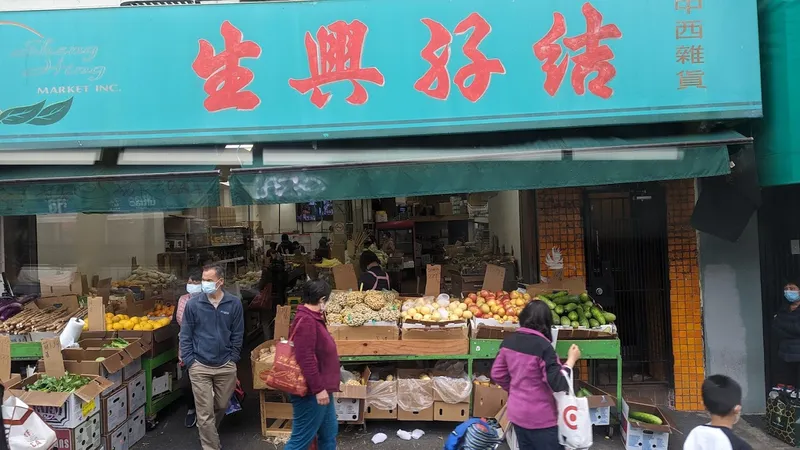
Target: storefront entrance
(626, 257)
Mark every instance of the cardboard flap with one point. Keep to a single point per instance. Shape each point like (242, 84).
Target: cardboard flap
(34, 398)
(135, 349)
(97, 312)
(51, 354)
(433, 283)
(344, 277)
(494, 278)
(5, 357)
(282, 322)
(113, 359)
(61, 301)
(642, 405)
(93, 388)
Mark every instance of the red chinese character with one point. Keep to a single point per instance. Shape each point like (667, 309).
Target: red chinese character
(225, 78)
(549, 51)
(595, 57)
(479, 70)
(440, 41)
(336, 56)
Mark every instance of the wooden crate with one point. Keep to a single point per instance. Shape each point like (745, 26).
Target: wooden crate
(410, 347)
(276, 414)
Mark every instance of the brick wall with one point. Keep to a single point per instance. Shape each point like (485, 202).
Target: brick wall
(560, 224)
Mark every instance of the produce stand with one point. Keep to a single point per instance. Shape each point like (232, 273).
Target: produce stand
(149, 364)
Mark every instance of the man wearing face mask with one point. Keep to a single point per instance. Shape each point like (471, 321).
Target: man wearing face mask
(211, 343)
(193, 287)
(786, 326)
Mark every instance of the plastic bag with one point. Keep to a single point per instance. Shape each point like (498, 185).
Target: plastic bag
(345, 376)
(453, 369)
(24, 428)
(574, 422)
(414, 395)
(382, 395)
(453, 390)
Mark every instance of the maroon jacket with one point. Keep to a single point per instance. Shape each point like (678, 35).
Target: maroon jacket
(315, 351)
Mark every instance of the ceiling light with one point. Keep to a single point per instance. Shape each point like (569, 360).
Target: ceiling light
(228, 156)
(50, 157)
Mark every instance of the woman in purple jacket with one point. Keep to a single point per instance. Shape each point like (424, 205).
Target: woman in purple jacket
(528, 368)
(314, 415)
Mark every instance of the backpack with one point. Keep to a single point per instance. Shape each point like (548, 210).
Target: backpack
(456, 438)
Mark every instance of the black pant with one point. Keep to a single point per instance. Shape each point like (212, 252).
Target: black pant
(186, 387)
(542, 439)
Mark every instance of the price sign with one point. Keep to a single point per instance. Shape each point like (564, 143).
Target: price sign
(494, 278)
(433, 283)
(51, 354)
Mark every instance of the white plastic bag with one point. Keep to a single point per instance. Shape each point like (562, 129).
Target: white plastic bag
(574, 421)
(24, 428)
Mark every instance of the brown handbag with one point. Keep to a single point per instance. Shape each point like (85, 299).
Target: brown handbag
(286, 375)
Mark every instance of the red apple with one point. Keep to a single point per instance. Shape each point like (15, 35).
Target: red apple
(492, 302)
(501, 312)
(486, 309)
(480, 301)
(472, 297)
(499, 293)
(484, 293)
(478, 314)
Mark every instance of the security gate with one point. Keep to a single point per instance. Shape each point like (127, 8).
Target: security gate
(626, 253)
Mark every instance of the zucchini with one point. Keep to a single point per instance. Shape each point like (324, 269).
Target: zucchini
(646, 418)
(565, 321)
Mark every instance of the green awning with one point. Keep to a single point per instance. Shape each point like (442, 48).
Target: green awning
(336, 175)
(29, 190)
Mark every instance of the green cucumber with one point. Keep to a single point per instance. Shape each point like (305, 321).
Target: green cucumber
(565, 321)
(584, 323)
(597, 314)
(556, 318)
(584, 297)
(609, 317)
(570, 307)
(646, 418)
(550, 304)
(593, 323)
(558, 294)
(575, 324)
(573, 316)
(559, 309)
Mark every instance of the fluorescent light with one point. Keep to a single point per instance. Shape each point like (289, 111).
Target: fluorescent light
(225, 183)
(240, 155)
(629, 154)
(50, 157)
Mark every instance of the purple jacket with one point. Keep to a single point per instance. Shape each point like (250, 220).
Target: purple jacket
(528, 369)
(315, 351)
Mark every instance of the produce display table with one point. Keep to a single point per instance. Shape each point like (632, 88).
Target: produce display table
(149, 364)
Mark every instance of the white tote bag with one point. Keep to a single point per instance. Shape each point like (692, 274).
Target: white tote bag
(574, 422)
(24, 428)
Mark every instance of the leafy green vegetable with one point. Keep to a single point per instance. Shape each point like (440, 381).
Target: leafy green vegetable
(117, 343)
(68, 383)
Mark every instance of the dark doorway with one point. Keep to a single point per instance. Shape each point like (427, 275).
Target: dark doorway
(626, 244)
(19, 241)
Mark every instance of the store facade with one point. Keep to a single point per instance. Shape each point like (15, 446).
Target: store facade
(581, 103)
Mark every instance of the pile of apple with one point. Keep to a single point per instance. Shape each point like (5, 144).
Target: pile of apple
(501, 306)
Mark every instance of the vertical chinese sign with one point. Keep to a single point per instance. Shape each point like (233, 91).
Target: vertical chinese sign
(689, 51)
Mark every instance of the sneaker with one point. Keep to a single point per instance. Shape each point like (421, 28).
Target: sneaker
(191, 419)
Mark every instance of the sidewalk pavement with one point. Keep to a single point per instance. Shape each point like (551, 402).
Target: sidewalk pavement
(242, 431)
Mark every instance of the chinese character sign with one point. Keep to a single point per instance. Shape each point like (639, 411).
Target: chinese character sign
(315, 70)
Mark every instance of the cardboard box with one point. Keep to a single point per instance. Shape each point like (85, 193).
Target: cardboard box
(63, 409)
(637, 435)
(491, 329)
(55, 284)
(137, 346)
(409, 384)
(600, 403)
(447, 412)
(365, 332)
(137, 392)
(352, 391)
(161, 385)
(86, 436)
(132, 369)
(114, 409)
(117, 439)
(260, 368)
(137, 427)
(446, 331)
(349, 409)
(487, 401)
(444, 209)
(85, 362)
(373, 413)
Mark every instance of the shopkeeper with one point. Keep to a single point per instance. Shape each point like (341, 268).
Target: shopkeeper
(373, 277)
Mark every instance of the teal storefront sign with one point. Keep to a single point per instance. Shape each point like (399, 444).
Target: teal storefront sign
(343, 68)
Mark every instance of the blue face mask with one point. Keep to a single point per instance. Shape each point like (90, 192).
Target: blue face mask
(193, 288)
(791, 296)
(209, 287)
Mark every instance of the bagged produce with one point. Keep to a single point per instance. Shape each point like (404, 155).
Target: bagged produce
(453, 390)
(414, 390)
(382, 394)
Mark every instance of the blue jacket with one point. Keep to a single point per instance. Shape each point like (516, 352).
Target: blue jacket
(212, 336)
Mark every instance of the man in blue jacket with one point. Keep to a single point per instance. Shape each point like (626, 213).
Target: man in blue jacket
(211, 344)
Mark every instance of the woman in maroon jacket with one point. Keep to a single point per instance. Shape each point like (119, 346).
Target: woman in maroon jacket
(315, 350)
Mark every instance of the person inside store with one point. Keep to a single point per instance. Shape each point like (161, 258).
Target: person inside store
(387, 246)
(314, 415)
(211, 337)
(272, 251)
(324, 250)
(285, 247)
(528, 368)
(298, 247)
(786, 328)
(373, 277)
(193, 288)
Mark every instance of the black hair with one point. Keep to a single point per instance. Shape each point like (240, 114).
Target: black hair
(367, 258)
(314, 291)
(721, 395)
(284, 237)
(217, 269)
(273, 245)
(537, 316)
(196, 275)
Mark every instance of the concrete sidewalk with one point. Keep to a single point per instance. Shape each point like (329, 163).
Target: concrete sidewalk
(242, 431)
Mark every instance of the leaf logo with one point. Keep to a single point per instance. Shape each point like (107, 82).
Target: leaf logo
(36, 114)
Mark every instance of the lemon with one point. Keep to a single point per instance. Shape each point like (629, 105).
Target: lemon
(85, 326)
(117, 326)
(137, 327)
(109, 328)
(116, 319)
(134, 320)
(109, 315)
(157, 326)
(147, 327)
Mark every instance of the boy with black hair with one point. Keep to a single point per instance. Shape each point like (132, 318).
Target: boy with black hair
(723, 399)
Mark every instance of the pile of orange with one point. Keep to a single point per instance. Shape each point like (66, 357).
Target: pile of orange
(162, 310)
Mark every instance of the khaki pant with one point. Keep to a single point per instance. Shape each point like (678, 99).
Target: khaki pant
(213, 388)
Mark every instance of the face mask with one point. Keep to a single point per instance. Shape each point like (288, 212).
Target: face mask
(193, 288)
(791, 296)
(209, 287)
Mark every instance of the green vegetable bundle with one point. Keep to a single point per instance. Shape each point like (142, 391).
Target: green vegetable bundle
(68, 383)
(117, 343)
